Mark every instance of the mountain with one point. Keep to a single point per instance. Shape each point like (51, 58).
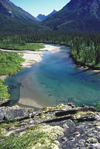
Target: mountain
(42, 17)
(14, 20)
(8, 8)
(77, 15)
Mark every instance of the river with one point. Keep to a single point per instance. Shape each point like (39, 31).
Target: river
(54, 80)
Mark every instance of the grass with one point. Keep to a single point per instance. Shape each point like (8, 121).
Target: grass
(31, 138)
(6, 126)
(1, 81)
(9, 65)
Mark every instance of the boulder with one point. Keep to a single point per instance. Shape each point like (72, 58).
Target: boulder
(14, 113)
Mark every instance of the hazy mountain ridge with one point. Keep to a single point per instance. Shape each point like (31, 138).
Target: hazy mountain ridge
(77, 15)
(42, 17)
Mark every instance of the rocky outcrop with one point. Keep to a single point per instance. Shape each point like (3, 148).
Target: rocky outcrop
(71, 127)
(9, 114)
(50, 114)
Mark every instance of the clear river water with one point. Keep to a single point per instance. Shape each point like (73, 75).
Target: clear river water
(54, 80)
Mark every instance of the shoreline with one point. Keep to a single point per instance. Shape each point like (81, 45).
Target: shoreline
(84, 67)
(31, 57)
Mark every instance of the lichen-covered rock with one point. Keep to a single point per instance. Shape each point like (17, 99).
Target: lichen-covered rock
(57, 108)
(11, 113)
(53, 132)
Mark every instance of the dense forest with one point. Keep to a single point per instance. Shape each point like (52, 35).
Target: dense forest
(85, 47)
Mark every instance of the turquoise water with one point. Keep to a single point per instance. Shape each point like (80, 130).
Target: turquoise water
(56, 80)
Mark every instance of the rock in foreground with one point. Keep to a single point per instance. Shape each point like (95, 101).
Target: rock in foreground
(61, 126)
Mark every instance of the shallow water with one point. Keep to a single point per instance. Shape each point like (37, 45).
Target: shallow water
(56, 80)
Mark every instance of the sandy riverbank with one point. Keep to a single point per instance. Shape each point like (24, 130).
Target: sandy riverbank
(31, 57)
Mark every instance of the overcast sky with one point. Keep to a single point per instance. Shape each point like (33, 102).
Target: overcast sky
(36, 7)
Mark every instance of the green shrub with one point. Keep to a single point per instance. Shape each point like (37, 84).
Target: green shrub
(75, 121)
(4, 92)
(10, 63)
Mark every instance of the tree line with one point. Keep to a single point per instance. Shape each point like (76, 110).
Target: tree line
(85, 47)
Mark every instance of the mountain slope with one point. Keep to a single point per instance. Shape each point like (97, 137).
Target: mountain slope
(42, 17)
(15, 20)
(77, 15)
(13, 26)
(8, 8)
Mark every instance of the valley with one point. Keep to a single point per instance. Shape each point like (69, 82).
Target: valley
(50, 75)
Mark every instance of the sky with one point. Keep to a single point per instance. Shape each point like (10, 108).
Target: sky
(36, 7)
